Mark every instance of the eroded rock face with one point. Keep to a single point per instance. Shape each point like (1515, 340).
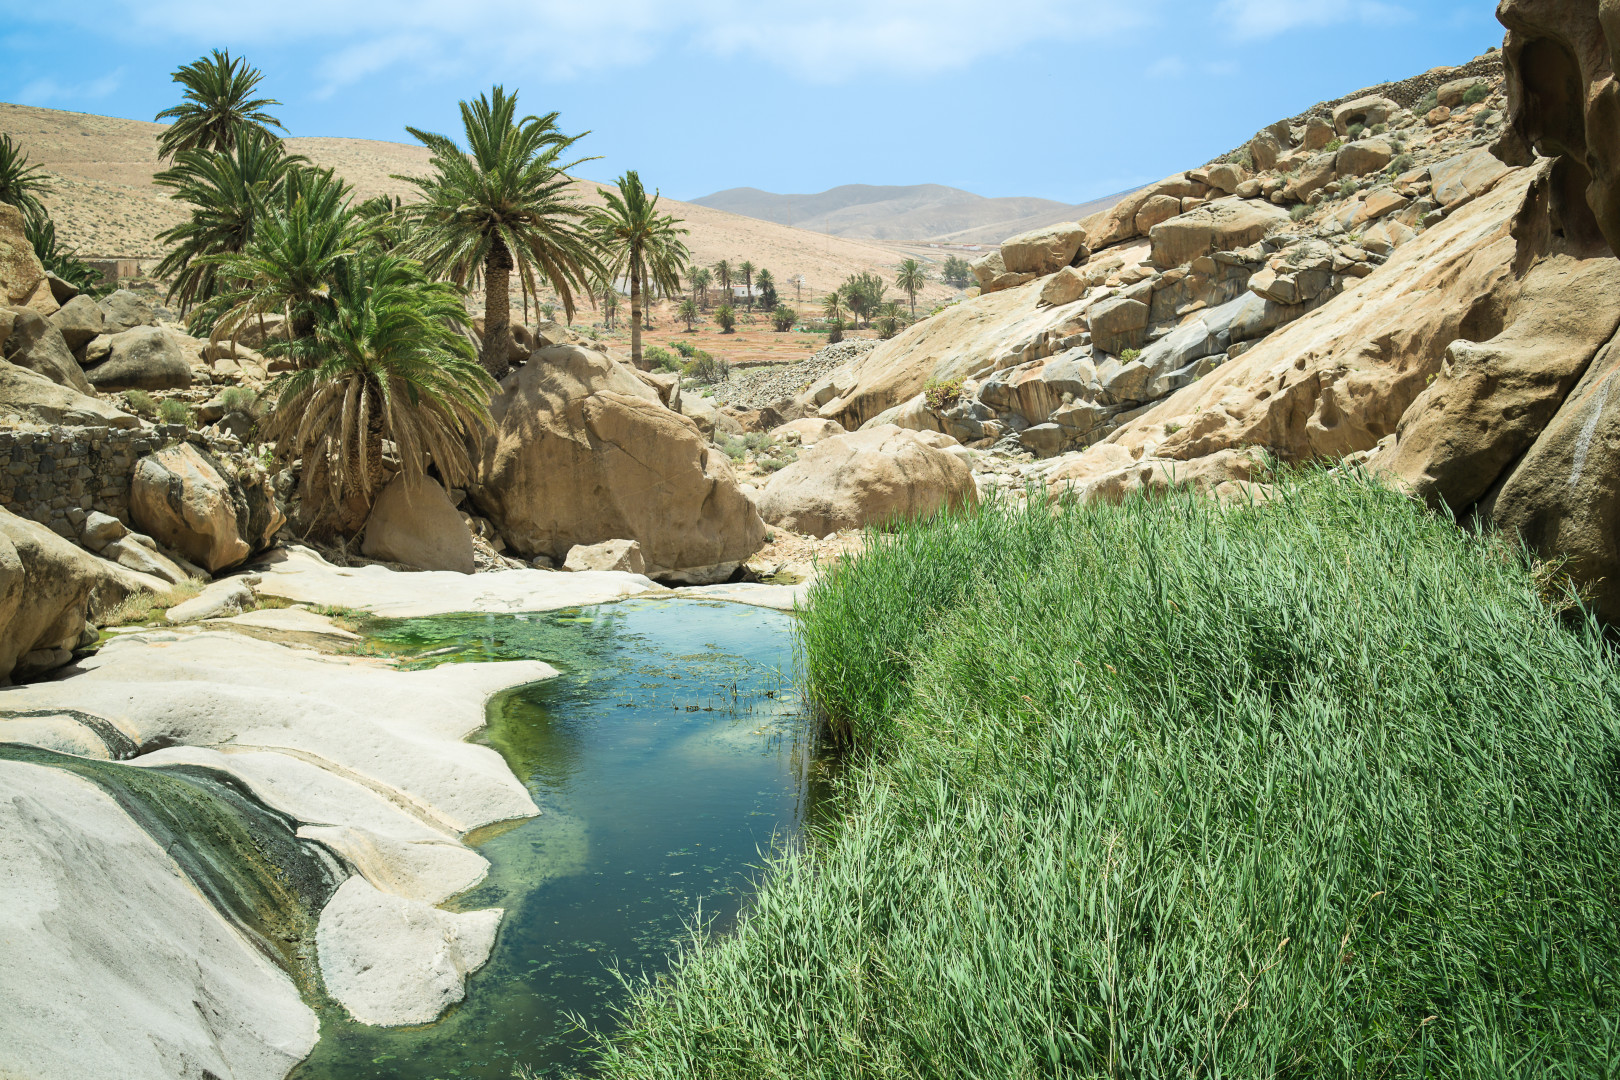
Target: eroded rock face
(1219, 226)
(1563, 101)
(865, 478)
(622, 555)
(415, 523)
(123, 310)
(36, 344)
(1044, 251)
(582, 451)
(187, 501)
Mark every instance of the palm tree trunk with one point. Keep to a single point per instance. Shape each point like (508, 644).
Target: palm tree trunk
(497, 347)
(635, 317)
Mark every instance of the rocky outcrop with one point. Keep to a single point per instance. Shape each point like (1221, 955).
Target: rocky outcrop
(416, 524)
(1045, 251)
(124, 310)
(48, 586)
(1220, 226)
(582, 451)
(865, 478)
(80, 321)
(27, 395)
(145, 358)
(187, 500)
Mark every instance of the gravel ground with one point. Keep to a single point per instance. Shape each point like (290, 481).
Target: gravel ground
(762, 386)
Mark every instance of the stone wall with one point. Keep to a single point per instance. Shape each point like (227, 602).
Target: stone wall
(56, 475)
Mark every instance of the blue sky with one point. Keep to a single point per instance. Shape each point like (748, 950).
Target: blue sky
(1065, 99)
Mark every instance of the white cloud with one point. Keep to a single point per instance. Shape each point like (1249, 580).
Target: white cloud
(1167, 67)
(1250, 19)
(830, 41)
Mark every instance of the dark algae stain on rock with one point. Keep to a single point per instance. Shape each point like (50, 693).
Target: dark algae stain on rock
(669, 759)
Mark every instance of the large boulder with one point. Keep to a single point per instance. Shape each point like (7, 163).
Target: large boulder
(22, 278)
(622, 555)
(581, 450)
(186, 500)
(80, 322)
(1222, 225)
(1363, 156)
(993, 276)
(47, 588)
(36, 344)
(1366, 111)
(414, 522)
(1491, 399)
(1045, 250)
(145, 358)
(124, 310)
(28, 395)
(1118, 323)
(867, 477)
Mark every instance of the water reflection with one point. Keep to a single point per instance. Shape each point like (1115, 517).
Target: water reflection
(668, 759)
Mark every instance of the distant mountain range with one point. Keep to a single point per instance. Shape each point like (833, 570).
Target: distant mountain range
(913, 213)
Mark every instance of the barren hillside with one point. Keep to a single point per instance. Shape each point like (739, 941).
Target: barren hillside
(105, 203)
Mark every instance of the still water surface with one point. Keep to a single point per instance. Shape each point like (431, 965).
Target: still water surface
(668, 760)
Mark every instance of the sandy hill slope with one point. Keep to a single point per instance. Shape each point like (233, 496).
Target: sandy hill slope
(105, 203)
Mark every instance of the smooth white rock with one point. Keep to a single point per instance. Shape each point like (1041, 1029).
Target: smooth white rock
(61, 733)
(297, 620)
(297, 573)
(399, 731)
(112, 964)
(390, 961)
(218, 600)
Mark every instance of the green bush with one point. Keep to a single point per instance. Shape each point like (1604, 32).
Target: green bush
(140, 402)
(737, 447)
(1427, 103)
(1320, 787)
(707, 369)
(783, 318)
(939, 394)
(1299, 213)
(173, 411)
(661, 359)
(1333, 146)
(1355, 131)
(1476, 94)
(1348, 186)
(1379, 129)
(1128, 355)
(239, 399)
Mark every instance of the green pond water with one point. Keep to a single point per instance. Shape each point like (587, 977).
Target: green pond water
(671, 757)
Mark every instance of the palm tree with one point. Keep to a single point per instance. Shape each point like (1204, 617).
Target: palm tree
(638, 243)
(889, 319)
(21, 184)
(228, 194)
(832, 309)
(218, 106)
(297, 251)
(610, 305)
(701, 279)
(40, 232)
(722, 277)
(393, 363)
(689, 313)
(746, 269)
(504, 205)
(725, 317)
(767, 289)
(911, 279)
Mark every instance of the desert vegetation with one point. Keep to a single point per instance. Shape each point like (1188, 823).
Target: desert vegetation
(1161, 789)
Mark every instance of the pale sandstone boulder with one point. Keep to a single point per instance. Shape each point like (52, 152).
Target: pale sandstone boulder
(145, 358)
(80, 322)
(622, 555)
(1229, 474)
(124, 310)
(581, 451)
(1338, 379)
(1364, 156)
(867, 477)
(1226, 177)
(1065, 287)
(1044, 251)
(993, 276)
(36, 344)
(1157, 209)
(1459, 179)
(139, 553)
(188, 501)
(708, 416)
(1491, 399)
(1318, 133)
(414, 522)
(218, 600)
(1118, 223)
(1450, 94)
(1312, 176)
(1366, 111)
(1118, 323)
(1220, 226)
(807, 431)
(1263, 151)
(47, 587)
(22, 278)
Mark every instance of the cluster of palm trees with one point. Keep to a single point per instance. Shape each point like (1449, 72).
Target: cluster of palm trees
(372, 294)
(759, 286)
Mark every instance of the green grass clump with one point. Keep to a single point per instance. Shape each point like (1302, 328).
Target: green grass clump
(173, 411)
(737, 447)
(1321, 787)
(1476, 93)
(140, 402)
